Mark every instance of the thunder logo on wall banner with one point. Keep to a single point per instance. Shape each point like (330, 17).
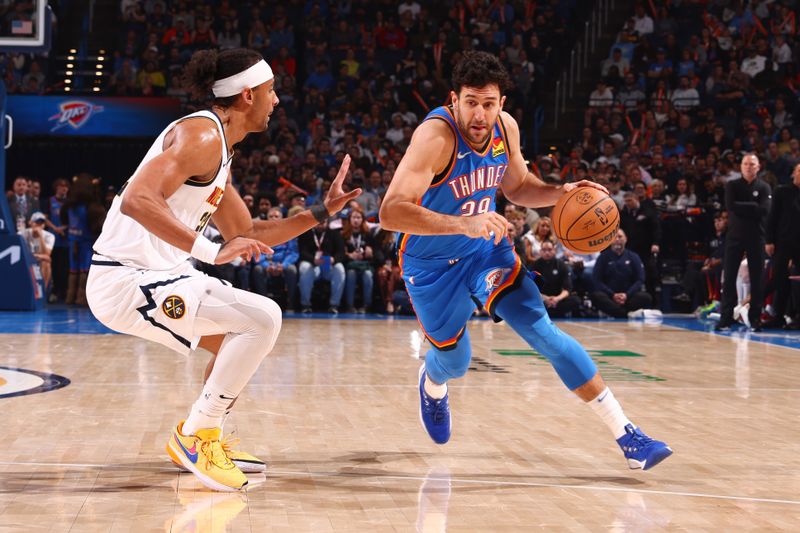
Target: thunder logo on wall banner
(55, 116)
(74, 113)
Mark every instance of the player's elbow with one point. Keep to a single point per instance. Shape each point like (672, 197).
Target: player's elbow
(387, 217)
(131, 205)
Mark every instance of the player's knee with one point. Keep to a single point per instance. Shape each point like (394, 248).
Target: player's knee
(449, 364)
(262, 318)
(271, 321)
(547, 338)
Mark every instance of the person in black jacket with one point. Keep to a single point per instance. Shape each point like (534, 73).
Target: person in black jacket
(321, 257)
(619, 280)
(747, 200)
(642, 227)
(783, 241)
(557, 285)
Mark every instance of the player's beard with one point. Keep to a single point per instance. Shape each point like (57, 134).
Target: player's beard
(467, 131)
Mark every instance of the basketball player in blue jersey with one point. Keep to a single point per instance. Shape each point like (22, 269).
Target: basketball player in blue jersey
(453, 248)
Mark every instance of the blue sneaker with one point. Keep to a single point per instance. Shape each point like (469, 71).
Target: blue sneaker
(434, 414)
(640, 450)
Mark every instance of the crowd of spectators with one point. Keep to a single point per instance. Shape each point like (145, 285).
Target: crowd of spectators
(688, 88)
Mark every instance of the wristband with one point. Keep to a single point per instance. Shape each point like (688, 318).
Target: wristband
(205, 250)
(320, 213)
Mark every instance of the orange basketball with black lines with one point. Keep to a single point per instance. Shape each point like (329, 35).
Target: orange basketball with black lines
(585, 220)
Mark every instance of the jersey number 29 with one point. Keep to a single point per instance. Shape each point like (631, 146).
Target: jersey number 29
(468, 208)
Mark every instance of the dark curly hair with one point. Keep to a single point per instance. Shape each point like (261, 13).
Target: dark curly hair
(479, 69)
(208, 66)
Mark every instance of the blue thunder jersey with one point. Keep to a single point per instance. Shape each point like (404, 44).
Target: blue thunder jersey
(466, 187)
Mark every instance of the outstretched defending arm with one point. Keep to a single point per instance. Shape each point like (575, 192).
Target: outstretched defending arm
(233, 219)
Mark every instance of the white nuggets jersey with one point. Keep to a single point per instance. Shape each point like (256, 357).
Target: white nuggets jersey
(126, 241)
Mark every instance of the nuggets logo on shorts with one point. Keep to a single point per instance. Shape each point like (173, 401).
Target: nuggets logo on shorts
(174, 307)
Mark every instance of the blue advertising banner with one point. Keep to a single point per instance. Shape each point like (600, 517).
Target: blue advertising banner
(78, 116)
(22, 284)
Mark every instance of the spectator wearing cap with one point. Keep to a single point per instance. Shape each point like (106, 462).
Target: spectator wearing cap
(40, 242)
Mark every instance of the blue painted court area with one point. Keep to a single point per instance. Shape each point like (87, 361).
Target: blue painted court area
(64, 319)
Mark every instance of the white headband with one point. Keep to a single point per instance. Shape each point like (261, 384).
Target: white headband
(252, 77)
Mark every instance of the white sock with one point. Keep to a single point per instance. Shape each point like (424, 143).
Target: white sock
(609, 410)
(437, 392)
(224, 419)
(208, 410)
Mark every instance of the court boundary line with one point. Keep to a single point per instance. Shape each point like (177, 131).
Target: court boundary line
(273, 474)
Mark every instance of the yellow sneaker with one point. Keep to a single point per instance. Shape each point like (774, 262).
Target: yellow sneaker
(202, 454)
(247, 463)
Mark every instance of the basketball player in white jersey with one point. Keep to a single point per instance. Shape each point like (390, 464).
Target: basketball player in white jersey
(142, 283)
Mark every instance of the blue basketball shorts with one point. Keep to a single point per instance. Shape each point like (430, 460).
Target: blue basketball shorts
(443, 292)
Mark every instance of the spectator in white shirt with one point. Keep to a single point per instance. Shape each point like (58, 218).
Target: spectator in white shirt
(781, 51)
(642, 23)
(685, 97)
(753, 64)
(41, 244)
(602, 96)
(395, 133)
(409, 5)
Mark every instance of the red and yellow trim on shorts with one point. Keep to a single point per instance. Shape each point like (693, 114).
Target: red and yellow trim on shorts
(449, 344)
(509, 285)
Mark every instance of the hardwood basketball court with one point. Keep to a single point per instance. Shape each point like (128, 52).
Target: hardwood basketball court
(334, 411)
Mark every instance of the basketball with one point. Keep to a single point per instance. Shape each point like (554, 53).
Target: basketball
(585, 220)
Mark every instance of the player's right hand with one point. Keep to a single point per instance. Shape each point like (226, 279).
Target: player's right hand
(242, 247)
(487, 225)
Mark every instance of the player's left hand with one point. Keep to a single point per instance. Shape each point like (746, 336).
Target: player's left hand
(584, 183)
(337, 198)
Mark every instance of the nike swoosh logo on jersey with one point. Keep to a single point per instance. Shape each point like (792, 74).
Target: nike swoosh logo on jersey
(462, 155)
